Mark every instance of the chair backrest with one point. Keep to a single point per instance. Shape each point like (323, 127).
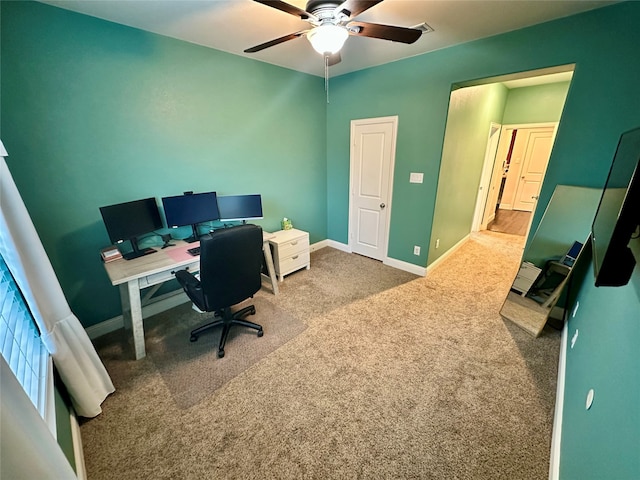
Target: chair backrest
(230, 265)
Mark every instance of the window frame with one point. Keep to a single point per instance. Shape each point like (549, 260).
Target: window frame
(45, 390)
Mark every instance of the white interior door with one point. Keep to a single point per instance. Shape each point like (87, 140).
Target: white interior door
(486, 186)
(373, 146)
(538, 144)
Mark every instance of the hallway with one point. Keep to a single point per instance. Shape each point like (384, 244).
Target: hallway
(514, 222)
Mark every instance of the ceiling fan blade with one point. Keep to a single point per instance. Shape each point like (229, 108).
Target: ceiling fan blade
(352, 8)
(276, 41)
(385, 32)
(334, 59)
(288, 8)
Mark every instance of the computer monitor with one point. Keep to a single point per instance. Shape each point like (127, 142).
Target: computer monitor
(128, 220)
(240, 207)
(190, 209)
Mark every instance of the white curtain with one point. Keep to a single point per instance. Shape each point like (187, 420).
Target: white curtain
(79, 366)
(28, 449)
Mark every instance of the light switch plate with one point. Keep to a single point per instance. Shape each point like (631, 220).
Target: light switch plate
(416, 177)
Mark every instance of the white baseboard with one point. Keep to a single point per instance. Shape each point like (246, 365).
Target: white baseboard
(392, 262)
(406, 266)
(343, 247)
(318, 245)
(78, 453)
(162, 303)
(449, 252)
(556, 436)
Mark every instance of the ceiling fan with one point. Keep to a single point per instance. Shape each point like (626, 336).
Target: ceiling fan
(332, 23)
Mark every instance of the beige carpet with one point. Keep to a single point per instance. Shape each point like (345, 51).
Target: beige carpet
(417, 379)
(192, 371)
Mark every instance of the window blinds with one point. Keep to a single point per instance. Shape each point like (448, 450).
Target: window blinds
(20, 342)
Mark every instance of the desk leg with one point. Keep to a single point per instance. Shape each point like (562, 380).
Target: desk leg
(136, 318)
(126, 307)
(272, 271)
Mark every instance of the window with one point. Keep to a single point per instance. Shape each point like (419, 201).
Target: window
(20, 342)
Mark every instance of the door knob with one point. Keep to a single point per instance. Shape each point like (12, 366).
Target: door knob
(382, 205)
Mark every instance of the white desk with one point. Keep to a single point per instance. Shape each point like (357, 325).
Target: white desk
(133, 276)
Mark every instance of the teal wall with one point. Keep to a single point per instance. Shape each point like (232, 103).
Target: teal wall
(95, 113)
(604, 441)
(538, 104)
(64, 434)
(601, 103)
(471, 111)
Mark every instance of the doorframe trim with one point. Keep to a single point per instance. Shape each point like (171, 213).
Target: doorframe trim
(485, 177)
(515, 126)
(394, 119)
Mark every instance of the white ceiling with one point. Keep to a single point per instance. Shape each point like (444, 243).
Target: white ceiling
(234, 25)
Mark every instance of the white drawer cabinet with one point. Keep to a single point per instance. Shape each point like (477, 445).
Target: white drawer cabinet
(527, 274)
(290, 250)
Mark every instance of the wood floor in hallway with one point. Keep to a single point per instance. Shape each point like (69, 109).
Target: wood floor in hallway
(514, 222)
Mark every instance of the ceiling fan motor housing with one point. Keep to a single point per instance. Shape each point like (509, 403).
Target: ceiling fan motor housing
(323, 10)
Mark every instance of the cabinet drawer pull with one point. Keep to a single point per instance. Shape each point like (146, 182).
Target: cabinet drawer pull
(294, 243)
(295, 258)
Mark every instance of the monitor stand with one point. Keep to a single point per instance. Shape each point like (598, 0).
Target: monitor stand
(136, 252)
(194, 235)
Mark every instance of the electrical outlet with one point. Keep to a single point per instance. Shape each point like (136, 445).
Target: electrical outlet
(438, 243)
(416, 250)
(575, 310)
(574, 339)
(589, 402)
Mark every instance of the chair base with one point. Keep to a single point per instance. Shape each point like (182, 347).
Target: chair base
(227, 319)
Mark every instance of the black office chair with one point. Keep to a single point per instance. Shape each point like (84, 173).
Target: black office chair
(230, 266)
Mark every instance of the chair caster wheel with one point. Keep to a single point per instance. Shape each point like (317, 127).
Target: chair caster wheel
(252, 311)
(220, 353)
(193, 338)
(260, 333)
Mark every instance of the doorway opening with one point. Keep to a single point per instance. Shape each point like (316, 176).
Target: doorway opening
(518, 169)
(482, 117)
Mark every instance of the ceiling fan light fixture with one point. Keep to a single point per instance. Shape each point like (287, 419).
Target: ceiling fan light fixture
(328, 38)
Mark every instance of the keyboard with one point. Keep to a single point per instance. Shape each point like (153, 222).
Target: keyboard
(195, 251)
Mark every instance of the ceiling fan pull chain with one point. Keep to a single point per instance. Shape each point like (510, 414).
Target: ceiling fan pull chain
(326, 74)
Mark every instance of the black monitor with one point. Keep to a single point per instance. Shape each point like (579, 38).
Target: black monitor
(128, 220)
(190, 209)
(240, 207)
(618, 216)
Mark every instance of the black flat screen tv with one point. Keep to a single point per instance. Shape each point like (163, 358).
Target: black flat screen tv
(190, 209)
(240, 207)
(128, 220)
(618, 216)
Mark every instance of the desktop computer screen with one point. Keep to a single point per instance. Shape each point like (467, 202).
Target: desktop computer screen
(240, 207)
(190, 209)
(128, 220)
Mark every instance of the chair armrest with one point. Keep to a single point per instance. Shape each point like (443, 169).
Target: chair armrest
(186, 278)
(192, 288)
